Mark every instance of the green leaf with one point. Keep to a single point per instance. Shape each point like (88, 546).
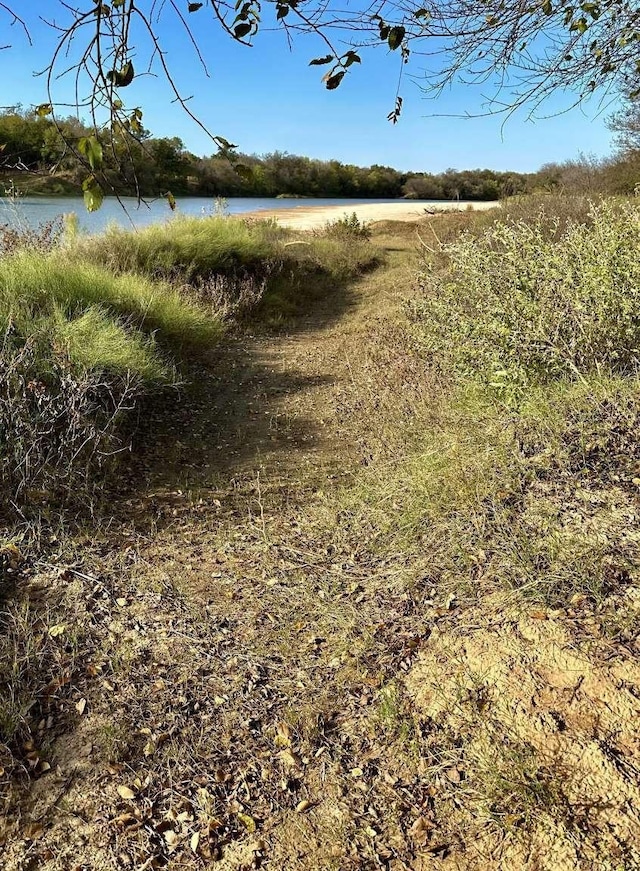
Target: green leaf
(319, 61)
(422, 13)
(244, 171)
(118, 3)
(241, 30)
(91, 149)
(93, 195)
(224, 143)
(547, 7)
(122, 78)
(351, 58)
(193, 7)
(43, 110)
(171, 200)
(592, 9)
(580, 25)
(396, 35)
(283, 11)
(333, 81)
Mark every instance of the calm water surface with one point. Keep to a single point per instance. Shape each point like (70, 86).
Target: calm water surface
(37, 210)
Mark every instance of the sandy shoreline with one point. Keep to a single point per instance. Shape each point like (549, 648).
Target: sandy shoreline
(306, 217)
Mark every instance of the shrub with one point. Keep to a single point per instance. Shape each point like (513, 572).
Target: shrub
(517, 304)
(57, 426)
(347, 227)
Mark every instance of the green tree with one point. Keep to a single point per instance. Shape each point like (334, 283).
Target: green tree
(526, 51)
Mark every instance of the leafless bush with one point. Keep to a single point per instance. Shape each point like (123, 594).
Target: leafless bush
(231, 298)
(56, 430)
(21, 236)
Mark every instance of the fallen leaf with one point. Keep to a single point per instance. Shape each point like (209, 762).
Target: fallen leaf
(33, 831)
(170, 837)
(248, 822)
(283, 735)
(420, 831)
(81, 706)
(290, 760)
(538, 614)
(58, 629)
(13, 555)
(453, 775)
(193, 843)
(303, 806)
(125, 792)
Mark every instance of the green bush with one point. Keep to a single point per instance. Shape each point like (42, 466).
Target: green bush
(347, 227)
(517, 304)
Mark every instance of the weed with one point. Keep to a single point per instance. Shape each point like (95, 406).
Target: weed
(20, 236)
(347, 227)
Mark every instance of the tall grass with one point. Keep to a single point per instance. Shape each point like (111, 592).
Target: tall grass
(246, 266)
(32, 287)
(79, 348)
(185, 248)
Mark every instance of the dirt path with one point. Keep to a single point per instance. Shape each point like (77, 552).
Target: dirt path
(252, 683)
(230, 643)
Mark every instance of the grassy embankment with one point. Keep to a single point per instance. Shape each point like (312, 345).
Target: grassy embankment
(410, 642)
(92, 326)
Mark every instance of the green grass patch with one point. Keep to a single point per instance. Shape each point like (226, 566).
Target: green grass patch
(34, 287)
(79, 348)
(185, 248)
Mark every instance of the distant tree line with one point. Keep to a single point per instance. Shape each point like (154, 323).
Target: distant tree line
(42, 154)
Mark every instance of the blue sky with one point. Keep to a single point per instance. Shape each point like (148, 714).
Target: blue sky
(267, 97)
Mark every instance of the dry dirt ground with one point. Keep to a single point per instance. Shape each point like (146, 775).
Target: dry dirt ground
(231, 678)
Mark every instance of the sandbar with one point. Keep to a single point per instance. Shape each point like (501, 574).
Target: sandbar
(306, 217)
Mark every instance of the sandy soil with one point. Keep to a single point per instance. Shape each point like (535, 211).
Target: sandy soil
(310, 217)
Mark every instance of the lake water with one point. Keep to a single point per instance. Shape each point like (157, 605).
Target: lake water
(38, 210)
